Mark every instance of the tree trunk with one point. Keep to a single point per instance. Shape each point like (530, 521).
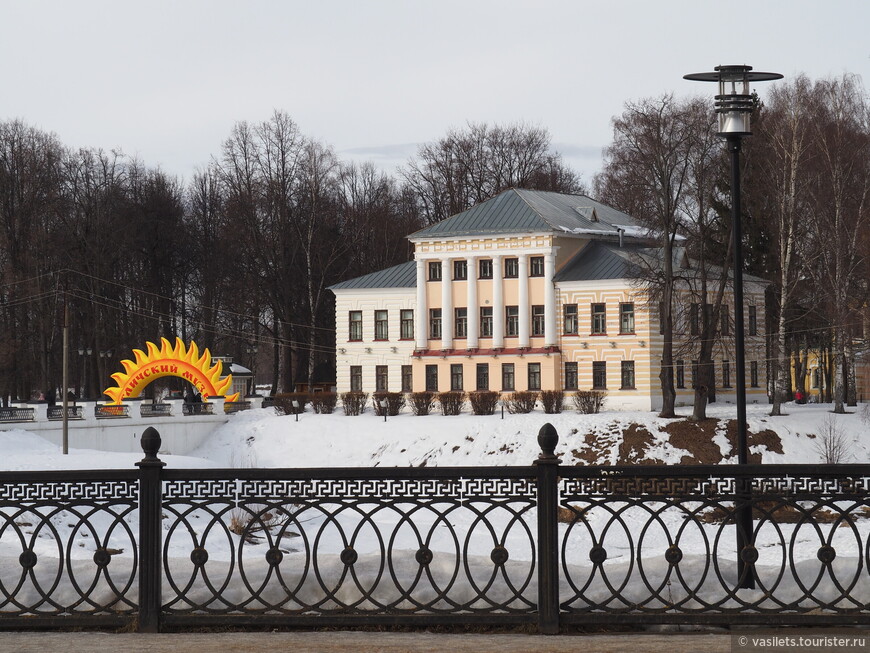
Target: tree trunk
(851, 386)
(666, 375)
(839, 380)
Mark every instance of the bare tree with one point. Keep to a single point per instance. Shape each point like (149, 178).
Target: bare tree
(469, 166)
(783, 159)
(646, 174)
(841, 209)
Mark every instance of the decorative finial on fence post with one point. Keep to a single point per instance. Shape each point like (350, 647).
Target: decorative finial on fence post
(547, 440)
(150, 444)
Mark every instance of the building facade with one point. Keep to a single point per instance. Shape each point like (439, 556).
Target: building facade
(530, 290)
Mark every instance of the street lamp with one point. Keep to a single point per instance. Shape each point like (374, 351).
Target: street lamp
(251, 351)
(295, 403)
(82, 352)
(734, 106)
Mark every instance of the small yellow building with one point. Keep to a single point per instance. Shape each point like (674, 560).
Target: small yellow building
(530, 290)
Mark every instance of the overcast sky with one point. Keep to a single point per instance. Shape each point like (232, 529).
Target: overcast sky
(166, 81)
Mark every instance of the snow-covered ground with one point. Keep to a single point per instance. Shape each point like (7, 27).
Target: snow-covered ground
(259, 438)
(318, 535)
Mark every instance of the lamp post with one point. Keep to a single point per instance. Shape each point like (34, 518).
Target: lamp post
(383, 403)
(295, 403)
(85, 353)
(734, 106)
(251, 351)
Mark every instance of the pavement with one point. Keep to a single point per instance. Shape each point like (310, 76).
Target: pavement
(361, 642)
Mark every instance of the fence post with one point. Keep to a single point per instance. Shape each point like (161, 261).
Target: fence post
(150, 533)
(548, 531)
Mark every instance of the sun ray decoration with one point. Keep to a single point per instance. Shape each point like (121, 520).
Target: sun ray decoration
(180, 361)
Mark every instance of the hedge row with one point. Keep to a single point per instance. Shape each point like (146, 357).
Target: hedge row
(450, 403)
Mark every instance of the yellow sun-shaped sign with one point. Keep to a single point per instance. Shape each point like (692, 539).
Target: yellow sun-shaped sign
(178, 361)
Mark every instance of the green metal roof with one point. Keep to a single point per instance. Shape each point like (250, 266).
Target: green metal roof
(600, 261)
(403, 275)
(530, 211)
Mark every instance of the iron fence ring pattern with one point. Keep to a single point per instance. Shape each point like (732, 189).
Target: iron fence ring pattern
(398, 529)
(799, 569)
(77, 552)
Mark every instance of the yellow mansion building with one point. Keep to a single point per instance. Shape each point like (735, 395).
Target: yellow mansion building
(530, 290)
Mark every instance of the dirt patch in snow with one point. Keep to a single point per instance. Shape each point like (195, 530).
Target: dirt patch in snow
(636, 441)
(697, 439)
(766, 438)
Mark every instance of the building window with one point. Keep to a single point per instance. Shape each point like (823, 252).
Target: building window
(537, 320)
(571, 376)
(694, 324)
(486, 321)
(816, 375)
(726, 374)
(725, 317)
(381, 378)
(681, 374)
(753, 321)
(570, 324)
(511, 268)
(599, 375)
(381, 326)
(753, 374)
(534, 376)
(456, 377)
(434, 270)
(406, 324)
(460, 270)
(434, 323)
(355, 326)
(627, 375)
(599, 319)
(407, 378)
(486, 268)
(431, 378)
(460, 322)
(483, 376)
(512, 320)
(507, 376)
(626, 317)
(536, 266)
(356, 378)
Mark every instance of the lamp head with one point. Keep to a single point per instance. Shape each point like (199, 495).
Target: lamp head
(735, 102)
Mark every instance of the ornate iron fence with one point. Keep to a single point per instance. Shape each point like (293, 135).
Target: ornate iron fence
(155, 410)
(16, 414)
(543, 544)
(198, 408)
(72, 412)
(111, 411)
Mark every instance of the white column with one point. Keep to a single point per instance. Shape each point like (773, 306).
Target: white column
(524, 310)
(497, 304)
(550, 338)
(421, 338)
(473, 310)
(446, 305)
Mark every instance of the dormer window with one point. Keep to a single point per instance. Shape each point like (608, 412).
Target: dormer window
(587, 212)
